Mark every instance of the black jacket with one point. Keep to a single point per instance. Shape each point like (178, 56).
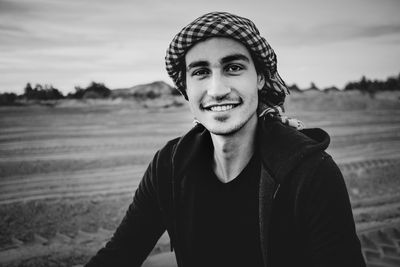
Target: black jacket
(305, 215)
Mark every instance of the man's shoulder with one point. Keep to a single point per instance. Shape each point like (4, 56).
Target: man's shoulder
(164, 155)
(181, 150)
(170, 146)
(183, 141)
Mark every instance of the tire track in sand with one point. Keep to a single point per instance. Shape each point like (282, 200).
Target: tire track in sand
(66, 185)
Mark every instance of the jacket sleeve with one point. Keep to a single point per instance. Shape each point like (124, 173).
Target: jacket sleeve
(328, 219)
(139, 230)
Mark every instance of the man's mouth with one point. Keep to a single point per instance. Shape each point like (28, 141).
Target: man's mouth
(220, 107)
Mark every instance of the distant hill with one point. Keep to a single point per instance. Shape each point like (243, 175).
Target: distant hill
(146, 91)
(331, 89)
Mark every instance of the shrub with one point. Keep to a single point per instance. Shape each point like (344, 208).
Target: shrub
(7, 99)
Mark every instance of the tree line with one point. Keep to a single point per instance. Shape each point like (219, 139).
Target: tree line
(48, 92)
(374, 86)
(364, 85)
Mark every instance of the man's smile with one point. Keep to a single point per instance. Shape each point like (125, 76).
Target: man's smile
(219, 107)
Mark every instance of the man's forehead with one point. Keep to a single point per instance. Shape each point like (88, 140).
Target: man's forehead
(217, 49)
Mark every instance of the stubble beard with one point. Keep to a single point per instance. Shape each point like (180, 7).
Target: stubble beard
(232, 130)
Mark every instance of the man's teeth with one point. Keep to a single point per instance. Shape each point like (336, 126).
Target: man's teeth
(221, 108)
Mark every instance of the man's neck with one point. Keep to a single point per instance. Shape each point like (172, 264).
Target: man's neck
(232, 153)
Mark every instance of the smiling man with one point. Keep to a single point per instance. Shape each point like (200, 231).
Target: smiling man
(246, 186)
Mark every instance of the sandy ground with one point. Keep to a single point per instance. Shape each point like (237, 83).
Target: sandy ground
(68, 173)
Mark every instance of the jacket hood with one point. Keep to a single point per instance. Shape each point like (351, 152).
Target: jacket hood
(281, 147)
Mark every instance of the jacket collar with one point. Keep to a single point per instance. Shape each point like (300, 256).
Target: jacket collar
(281, 147)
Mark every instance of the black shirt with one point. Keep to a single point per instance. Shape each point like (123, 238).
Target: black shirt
(226, 225)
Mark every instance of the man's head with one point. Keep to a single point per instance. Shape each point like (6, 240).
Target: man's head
(222, 24)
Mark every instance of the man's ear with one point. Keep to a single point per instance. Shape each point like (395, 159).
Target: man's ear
(260, 81)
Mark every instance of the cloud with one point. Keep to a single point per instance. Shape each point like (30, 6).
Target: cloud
(11, 29)
(332, 33)
(377, 31)
(12, 7)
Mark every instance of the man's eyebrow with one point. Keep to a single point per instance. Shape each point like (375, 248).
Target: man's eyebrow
(200, 63)
(234, 57)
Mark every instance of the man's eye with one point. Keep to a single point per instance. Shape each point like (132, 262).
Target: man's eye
(234, 68)
(200, 72)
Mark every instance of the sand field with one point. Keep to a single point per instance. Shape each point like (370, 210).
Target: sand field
(68, 172)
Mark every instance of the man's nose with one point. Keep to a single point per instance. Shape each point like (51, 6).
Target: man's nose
(217, 86)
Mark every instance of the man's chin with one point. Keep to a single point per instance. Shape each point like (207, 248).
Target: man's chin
(225, 125)
(224, 130)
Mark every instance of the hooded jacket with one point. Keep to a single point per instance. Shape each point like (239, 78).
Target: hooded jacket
(305, 217)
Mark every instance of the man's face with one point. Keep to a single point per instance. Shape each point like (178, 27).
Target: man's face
(222, 85)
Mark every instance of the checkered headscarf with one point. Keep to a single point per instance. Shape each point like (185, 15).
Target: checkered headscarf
(224, 24)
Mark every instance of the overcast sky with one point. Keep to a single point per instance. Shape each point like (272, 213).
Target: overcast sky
(122, 43)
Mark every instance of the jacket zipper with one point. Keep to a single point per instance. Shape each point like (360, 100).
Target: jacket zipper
(276, 191)
(272, 205)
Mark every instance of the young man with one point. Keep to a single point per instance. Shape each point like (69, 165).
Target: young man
(245, 186)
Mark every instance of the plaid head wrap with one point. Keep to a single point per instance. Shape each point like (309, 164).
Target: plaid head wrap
(223, 24)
